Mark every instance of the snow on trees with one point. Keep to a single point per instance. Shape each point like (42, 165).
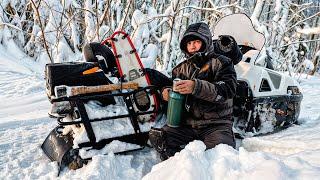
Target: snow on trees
(56, 30)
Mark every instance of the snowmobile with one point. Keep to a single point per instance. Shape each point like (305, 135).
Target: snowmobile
(266, 100)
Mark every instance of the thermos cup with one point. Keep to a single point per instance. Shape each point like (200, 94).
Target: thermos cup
(175, 107)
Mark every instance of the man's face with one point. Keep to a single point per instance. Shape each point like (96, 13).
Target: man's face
(194, 46)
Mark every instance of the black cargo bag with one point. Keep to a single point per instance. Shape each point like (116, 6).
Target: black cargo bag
(71, 74)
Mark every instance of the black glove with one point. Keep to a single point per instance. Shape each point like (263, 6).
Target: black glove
(226, 45)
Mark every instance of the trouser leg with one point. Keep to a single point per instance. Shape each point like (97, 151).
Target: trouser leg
(176, 139)
(158, 79)
(217, 134)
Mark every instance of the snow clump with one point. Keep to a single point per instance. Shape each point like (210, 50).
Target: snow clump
(224, 162)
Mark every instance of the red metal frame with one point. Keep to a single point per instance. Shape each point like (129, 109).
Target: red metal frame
(136, 54)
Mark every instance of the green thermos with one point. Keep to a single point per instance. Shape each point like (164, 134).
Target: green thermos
(175, 109)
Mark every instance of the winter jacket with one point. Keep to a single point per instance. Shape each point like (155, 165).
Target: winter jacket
(214, 75)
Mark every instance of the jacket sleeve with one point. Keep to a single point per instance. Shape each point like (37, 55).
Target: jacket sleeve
(222, 89)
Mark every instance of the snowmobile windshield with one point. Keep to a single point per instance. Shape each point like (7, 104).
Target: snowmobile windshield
(240, 27)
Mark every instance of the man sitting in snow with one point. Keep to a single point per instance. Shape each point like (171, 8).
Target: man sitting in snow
(209, 83)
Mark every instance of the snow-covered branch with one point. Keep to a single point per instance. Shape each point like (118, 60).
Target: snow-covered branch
(298, 42)
(308, 31)
(299, 22)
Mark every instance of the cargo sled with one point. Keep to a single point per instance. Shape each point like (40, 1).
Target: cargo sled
(266, 100)
(96, 109)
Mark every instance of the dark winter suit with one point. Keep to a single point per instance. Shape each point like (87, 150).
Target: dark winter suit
(209, 107)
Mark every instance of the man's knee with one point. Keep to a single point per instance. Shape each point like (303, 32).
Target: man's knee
(219, 137)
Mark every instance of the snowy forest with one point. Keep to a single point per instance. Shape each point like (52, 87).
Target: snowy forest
(274, 110)
(55, 31)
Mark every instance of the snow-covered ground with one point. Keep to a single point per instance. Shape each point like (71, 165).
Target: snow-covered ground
(293, 153)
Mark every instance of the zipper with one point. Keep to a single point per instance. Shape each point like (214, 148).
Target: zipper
(196, 72)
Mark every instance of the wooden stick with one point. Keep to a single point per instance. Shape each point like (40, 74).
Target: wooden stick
(67, 91)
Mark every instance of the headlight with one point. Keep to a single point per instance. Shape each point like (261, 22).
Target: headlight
(293, 90)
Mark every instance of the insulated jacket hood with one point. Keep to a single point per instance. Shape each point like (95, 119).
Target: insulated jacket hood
(199, 31)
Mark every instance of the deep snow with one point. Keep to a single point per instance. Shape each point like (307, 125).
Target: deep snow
(293, 153)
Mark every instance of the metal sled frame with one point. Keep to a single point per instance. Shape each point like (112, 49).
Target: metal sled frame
(57, 146)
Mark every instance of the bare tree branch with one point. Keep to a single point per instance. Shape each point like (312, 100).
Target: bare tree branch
(297, 42)
(36, 9)
(122, 22)
(97, 21)
(299, 22)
